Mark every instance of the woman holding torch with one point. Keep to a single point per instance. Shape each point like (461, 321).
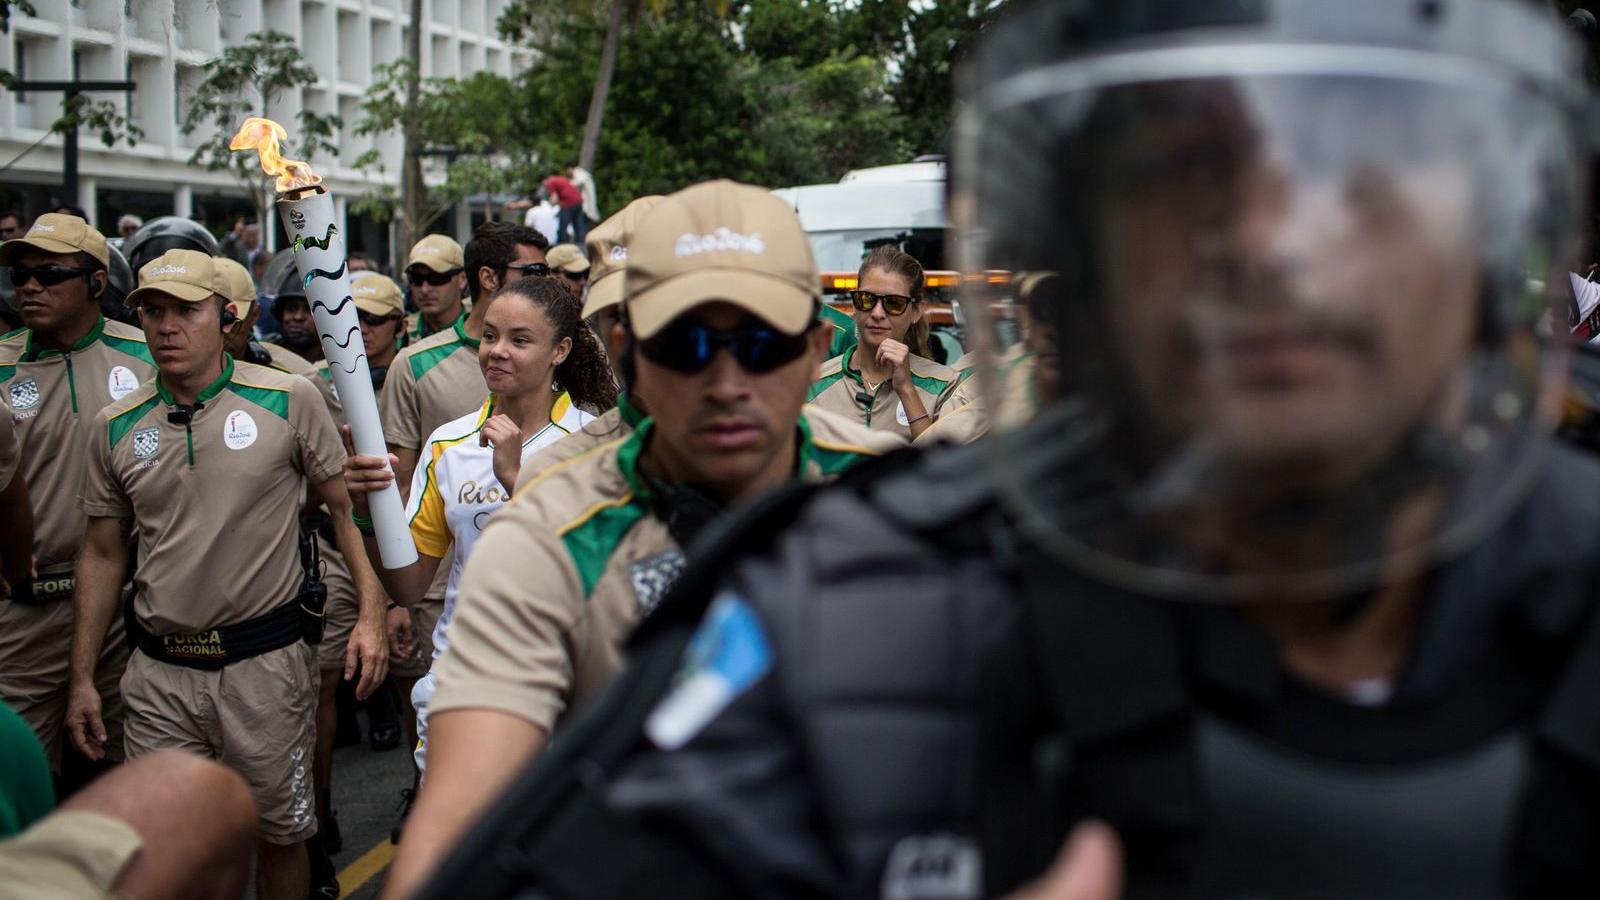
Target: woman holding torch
(541, 364)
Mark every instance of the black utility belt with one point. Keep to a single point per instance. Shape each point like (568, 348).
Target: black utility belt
(44, 590)
(225, 645)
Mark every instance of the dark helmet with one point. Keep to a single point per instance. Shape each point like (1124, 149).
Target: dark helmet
(288, 282)
(120, 283)
(159, 235)
(1294, 241)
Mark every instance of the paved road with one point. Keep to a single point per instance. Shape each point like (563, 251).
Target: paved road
(366, 795)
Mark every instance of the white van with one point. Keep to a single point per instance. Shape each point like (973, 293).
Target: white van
(902, 205)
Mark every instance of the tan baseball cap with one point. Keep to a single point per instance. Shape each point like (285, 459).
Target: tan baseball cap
(720, 240)
(59, 233)
(608, 248)
(437, 252)
(376, 294)
(567, 258)
(241, 290)
(189, 275)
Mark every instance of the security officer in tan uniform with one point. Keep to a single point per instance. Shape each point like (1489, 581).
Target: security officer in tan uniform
(340, 608)
(437, 380)
(16, 542)
(602, 306)
(437, 275)
(56, 373)
(563, 573)
(209, 462)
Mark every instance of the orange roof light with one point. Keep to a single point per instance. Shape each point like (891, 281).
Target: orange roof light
(832, 281)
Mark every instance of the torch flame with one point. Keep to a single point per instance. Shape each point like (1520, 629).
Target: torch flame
(263, 135)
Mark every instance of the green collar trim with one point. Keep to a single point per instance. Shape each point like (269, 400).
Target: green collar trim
(460, 327)
(207, 392)
(932, 386)
(630, 413)
(33, 352)
(628, 460)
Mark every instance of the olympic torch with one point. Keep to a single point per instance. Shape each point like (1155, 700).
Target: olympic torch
(319, 257)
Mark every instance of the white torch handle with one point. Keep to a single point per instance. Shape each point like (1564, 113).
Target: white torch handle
(319, 256)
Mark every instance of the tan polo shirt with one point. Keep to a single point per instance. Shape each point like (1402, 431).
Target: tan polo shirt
(10, 449)
(614, 423)
(837, 390)
(968, 413)
(216, 503)
(564, 572)
(53, 399)
(433, 381)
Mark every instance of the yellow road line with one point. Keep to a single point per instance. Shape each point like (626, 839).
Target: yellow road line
(362, 870)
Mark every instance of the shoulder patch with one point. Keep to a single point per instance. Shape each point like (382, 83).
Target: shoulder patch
(424, 361)
(728, 654)
(832, 371)
(272, 399)
(121, 421)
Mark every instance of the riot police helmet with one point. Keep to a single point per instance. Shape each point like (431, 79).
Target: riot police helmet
(1294, 240)
(164, 233)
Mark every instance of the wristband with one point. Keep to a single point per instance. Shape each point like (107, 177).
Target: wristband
(917, 419)
(363, 524)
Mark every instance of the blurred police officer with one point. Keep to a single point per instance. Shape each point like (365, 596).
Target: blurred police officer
(65, 365)
(605, 531)
(209, 463)
(1301, 382)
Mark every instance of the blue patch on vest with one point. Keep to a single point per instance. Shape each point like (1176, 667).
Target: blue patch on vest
(728, 654)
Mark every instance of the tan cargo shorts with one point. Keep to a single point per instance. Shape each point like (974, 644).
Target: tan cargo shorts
(256, 716)
(424, 616)
(339, 616)
(35, 642)
(67, 854)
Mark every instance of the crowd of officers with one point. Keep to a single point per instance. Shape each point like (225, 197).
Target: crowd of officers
(561, 423)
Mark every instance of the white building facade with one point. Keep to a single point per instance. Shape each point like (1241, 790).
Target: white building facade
(163, 46)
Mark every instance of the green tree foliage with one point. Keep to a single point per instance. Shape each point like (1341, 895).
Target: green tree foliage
(247, 80)
(470, 124)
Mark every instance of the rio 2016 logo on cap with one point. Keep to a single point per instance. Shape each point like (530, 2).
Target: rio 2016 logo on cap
(722, 239)
(619, 253)
(51, 229)
(121, 382)
(166, 270)
(239, 430)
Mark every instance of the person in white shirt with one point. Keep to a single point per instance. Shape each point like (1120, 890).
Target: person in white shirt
(542, 218)
(584, 182)
(547, 376)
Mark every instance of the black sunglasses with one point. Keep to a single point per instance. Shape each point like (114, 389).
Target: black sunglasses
(372, 321)
(689, 347)
(437, 279)
(526, 269)
(48, 276)
(893, 304)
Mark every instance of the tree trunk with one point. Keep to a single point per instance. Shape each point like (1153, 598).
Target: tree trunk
(602, 84)
(413, 191)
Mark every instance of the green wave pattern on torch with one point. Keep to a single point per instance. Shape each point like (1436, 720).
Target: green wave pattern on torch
(304, 241)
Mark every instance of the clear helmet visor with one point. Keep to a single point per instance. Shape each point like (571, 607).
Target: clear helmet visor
(1283, 311)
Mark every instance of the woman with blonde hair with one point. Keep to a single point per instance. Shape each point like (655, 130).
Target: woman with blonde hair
(887, 381)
